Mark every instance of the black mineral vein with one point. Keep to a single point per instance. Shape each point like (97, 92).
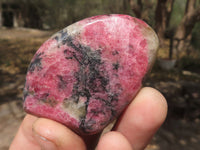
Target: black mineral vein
(90, 73)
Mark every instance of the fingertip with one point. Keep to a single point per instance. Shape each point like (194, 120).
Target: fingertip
(155, 104)
(156, 95)
(113, 140)
(27, 123)
(143, 117)
(24, 137)
(60, 135)
(148, 110)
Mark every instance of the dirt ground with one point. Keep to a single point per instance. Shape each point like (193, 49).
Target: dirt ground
(181, 130)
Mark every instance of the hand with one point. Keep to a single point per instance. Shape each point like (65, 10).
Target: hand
(133, 130)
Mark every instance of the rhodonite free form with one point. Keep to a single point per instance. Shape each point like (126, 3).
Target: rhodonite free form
(87, 73)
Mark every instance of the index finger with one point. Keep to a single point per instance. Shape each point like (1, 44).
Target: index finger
(143, 117)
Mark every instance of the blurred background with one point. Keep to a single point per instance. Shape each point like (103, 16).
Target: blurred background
(26, 24)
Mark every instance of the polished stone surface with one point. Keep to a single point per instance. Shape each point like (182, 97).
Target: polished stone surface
(87, 73)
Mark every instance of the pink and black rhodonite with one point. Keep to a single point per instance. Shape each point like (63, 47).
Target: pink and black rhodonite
(87, 73)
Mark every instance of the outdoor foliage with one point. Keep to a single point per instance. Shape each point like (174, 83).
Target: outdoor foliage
(177, 23)
(172, 19)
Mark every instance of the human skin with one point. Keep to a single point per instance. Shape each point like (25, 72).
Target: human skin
(133, 130)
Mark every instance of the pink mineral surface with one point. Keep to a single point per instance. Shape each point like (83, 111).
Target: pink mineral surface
(87, 73)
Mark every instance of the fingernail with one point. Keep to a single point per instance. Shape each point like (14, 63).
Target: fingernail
(44, 143)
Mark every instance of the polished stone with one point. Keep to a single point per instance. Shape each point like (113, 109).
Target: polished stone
(87, 73)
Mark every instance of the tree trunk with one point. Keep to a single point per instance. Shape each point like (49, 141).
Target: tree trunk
(162, 17)
(183, 33)
(126, 6)
(169, 9)
(137, 8)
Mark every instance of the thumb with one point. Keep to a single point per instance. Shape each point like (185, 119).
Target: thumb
(51, 135)
(44, 143)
